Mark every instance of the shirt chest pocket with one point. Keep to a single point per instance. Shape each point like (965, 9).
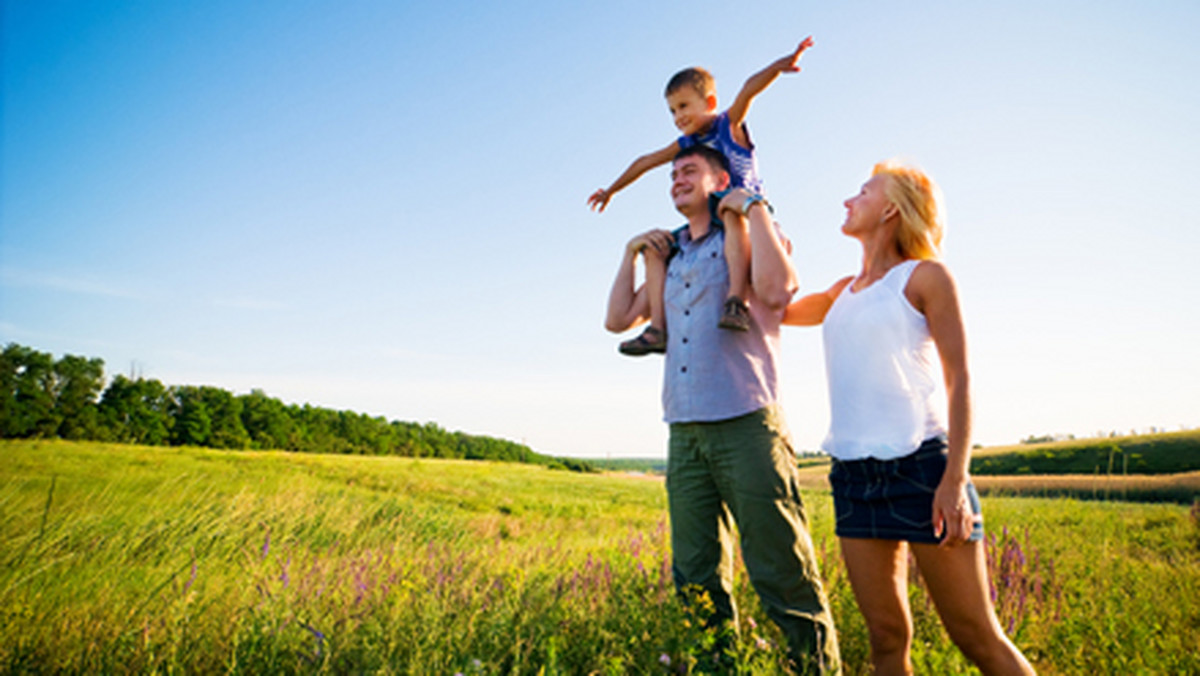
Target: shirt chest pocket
(693, 275)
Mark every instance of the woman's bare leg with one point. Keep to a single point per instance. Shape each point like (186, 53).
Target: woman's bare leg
(956, 578)
(878, 572)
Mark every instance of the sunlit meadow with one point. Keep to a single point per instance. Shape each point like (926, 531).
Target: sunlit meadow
(120, 559)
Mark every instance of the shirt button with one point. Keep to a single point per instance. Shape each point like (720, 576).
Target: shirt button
(683, 369)
(687, 285)
(687, 313)
(685, 341)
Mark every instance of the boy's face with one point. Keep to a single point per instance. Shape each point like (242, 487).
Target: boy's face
(693, 112)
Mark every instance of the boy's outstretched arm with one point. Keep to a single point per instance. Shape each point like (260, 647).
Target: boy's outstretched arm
(641, 165)
(755, 85)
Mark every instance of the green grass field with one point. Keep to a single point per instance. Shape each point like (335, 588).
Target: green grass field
(120, 559)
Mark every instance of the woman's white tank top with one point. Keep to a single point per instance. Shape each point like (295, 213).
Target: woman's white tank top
(883, 371)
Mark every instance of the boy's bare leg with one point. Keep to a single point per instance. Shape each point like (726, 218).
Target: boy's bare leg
(737, 257)
(654, 339)
(656, 282)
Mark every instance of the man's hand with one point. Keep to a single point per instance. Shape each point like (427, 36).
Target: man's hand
(733, 201)
(652, 243)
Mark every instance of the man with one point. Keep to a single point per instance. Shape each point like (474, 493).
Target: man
(729, 458)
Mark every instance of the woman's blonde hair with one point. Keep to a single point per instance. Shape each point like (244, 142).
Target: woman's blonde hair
(919, 201)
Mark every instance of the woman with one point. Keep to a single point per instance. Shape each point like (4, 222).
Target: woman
(899, 472)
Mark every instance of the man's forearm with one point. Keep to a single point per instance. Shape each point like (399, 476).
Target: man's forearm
(622, 296)
(771, 272)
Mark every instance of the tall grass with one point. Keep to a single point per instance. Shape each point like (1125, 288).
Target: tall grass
(118, 559)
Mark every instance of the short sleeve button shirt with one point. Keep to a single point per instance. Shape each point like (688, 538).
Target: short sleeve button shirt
(711, 373)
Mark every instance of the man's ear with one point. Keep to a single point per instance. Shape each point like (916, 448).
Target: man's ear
(710, 103)
(722, 180)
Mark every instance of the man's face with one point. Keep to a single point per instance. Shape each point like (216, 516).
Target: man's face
(692, 179)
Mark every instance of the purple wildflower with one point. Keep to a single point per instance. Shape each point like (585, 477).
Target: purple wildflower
(192, 578)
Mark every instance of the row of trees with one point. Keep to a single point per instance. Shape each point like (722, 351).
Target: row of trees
(41, 397)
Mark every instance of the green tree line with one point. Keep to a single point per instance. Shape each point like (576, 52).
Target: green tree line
(41, 397)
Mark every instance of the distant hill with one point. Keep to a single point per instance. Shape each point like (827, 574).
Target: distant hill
(659, 465)
(1167, 453)
(646, 465)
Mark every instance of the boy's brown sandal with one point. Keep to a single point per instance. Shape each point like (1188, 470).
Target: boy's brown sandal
(736, 316)
(651, 341)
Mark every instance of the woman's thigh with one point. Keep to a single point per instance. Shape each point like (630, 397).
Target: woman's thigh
(878, 573)
(956, 578)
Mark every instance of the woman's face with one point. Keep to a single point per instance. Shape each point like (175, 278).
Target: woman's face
(865, 211)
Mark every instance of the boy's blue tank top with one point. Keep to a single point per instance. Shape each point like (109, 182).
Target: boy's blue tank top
(742, 164)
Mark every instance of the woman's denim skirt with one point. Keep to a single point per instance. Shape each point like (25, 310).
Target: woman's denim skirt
(893, 499)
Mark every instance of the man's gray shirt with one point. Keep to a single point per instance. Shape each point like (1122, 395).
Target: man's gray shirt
(711, 373)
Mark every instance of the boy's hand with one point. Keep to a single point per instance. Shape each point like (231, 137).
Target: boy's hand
(599, 200)
(789, 63)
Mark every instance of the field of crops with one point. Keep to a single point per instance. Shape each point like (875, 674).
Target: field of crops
(122, 559)
(1161, 453)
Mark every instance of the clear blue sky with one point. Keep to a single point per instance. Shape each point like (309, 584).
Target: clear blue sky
(380, 206)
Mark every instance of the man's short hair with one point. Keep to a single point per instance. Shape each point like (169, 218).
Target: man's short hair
(697, 78)
(715, 158)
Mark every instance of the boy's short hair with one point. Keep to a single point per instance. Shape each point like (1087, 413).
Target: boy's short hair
(697, 78)
(715, 158)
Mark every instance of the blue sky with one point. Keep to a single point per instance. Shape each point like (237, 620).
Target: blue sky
(380, 206)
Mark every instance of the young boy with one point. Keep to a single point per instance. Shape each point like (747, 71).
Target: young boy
(692, 99)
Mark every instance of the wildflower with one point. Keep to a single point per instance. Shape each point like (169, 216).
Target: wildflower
(266, 545)
(320, 638)
(665, 659)
(191, 579)
(761, 643)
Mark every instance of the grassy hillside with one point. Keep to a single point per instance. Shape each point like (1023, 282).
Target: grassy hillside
(1169, 453)
(124, 559)
(630, 465)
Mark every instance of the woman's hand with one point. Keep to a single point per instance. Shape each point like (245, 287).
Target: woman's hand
(952, 513)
